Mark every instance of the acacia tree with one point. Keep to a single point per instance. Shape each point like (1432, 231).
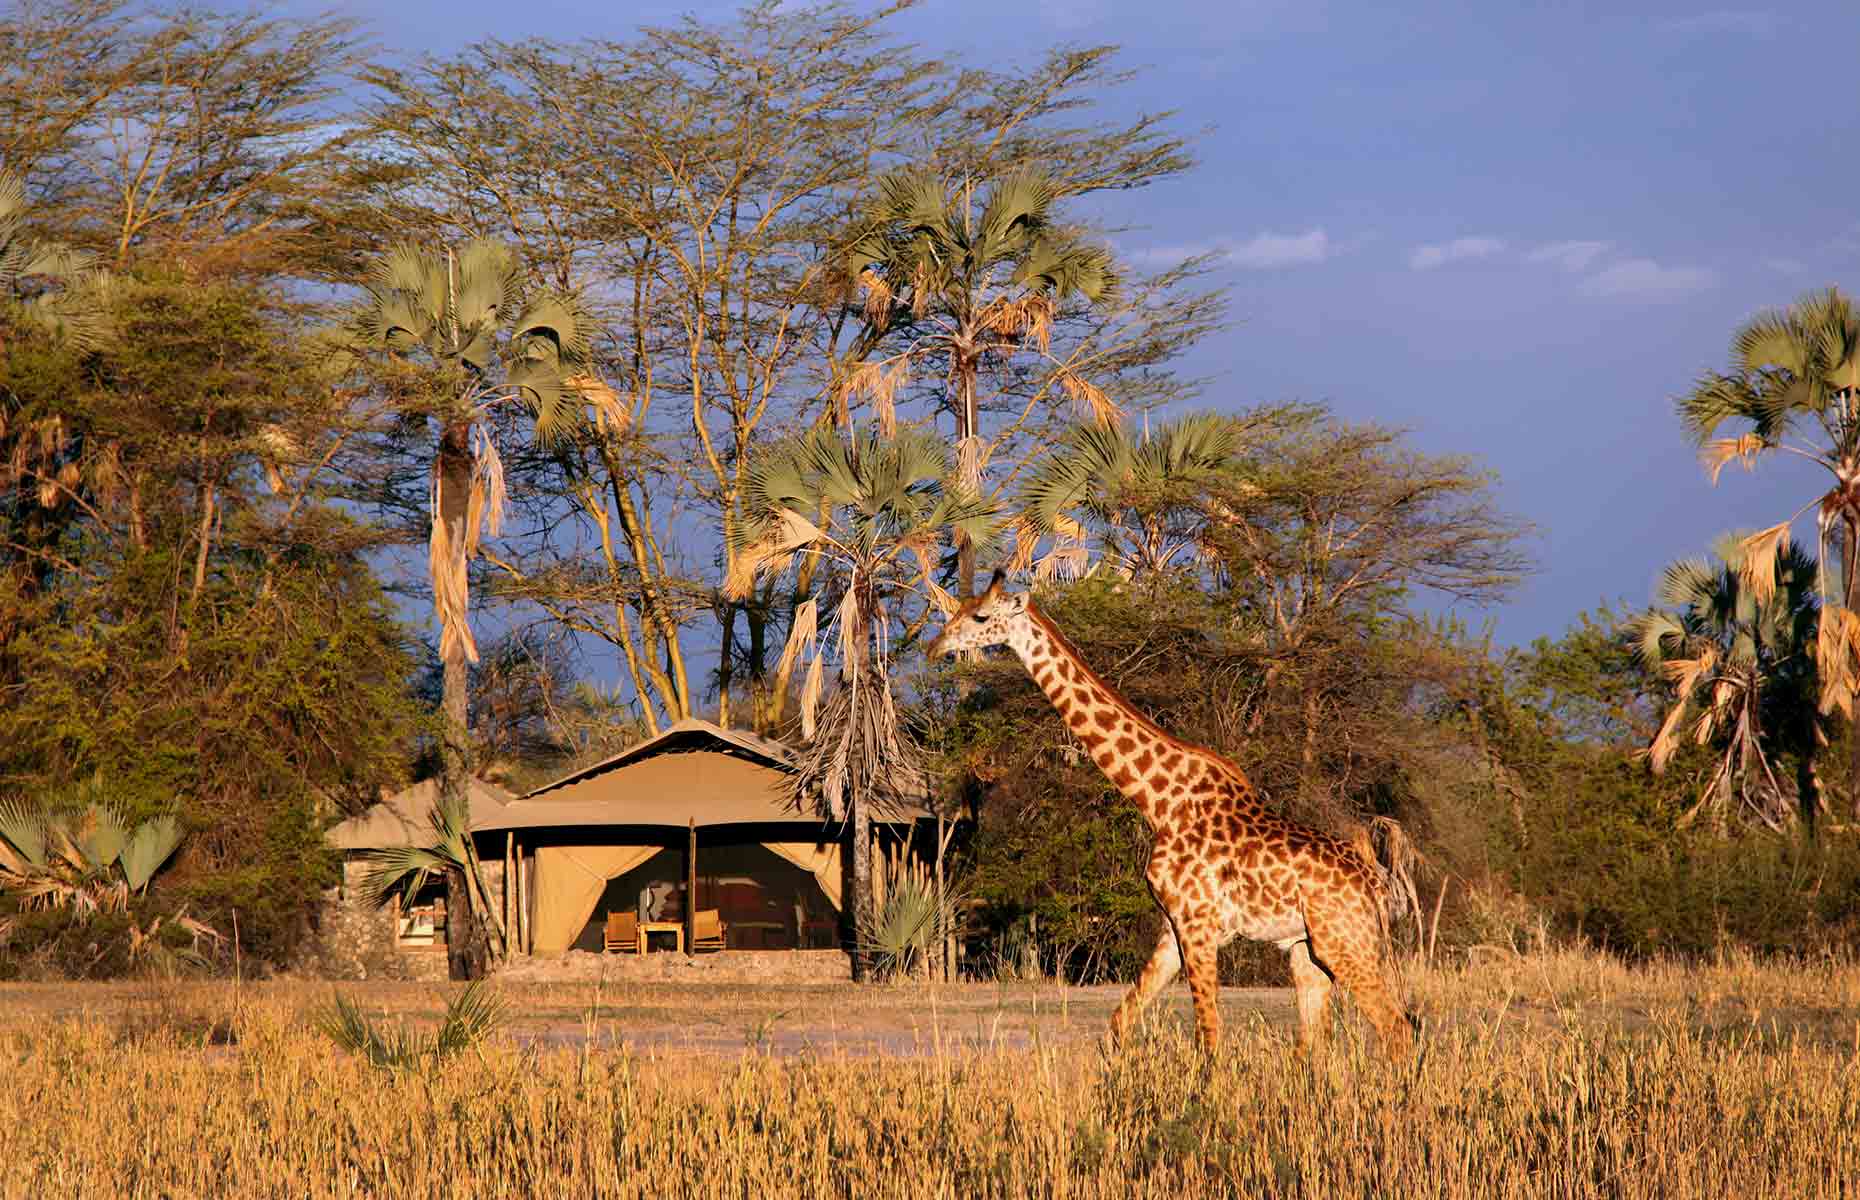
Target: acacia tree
(1741, 667)
(462, 324)
(871, 513)
(1311, 530)
(1794, 388)
(201, 139)
(698, 177)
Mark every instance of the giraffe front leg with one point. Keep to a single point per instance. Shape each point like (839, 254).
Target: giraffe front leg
(1164, 962)
(1201, 953)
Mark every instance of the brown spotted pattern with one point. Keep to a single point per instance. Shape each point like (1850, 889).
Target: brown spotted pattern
(1223, 865)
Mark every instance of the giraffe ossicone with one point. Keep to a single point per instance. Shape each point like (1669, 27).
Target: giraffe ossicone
(1223, 866)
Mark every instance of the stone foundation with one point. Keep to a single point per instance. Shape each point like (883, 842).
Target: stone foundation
(721, 966)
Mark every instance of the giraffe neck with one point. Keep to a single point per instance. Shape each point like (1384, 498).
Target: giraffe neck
(1130, 749)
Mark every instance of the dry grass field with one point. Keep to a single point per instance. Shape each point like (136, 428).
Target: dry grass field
(1559, 1075)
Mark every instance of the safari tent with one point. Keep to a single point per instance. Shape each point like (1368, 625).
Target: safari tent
(698, 811)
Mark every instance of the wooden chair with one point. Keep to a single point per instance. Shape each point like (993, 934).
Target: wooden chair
(707, 930)
(622, 932)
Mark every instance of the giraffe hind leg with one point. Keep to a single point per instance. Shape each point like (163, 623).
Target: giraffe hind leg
(1313, 984)
(1164, 962)
(1346, 941)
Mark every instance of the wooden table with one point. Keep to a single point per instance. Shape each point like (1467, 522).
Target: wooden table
(673, 927)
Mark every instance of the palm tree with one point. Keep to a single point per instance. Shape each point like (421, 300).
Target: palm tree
(75, 849)
(1794, 388)
(1147, 500)
(1742, 668)
(464, 320)
(967, 289)
(47, 285)
(870, 513)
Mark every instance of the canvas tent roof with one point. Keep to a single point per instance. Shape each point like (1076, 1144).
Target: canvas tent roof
(693, 772)
(405, 818)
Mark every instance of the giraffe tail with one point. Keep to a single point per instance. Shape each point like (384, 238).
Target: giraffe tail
(1384, 847)
(1390, 856)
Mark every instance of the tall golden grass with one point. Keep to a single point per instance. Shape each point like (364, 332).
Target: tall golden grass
(1559, 1076)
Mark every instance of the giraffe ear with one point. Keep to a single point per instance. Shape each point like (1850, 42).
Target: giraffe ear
(994, 583)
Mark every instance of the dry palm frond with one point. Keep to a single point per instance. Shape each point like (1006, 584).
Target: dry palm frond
(1026, 541)
(878, 297)
(445, 557)
(1090, 398)
(920, 289)
(945, 603)
(801, 634)
(1666, 741)
(863, 754)
(610, 416)
(873, 381)
(1837, 659)
(971, 456)
(769, 554)
(848, 631)
(1684, 673)
(1063, 563)
(810, 696)
(1758, 568)
(1720, 452)
(750, 564)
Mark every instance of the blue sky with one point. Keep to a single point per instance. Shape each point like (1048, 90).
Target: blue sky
(1516, 230)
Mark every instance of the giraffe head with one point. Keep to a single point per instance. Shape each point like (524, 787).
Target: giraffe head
(994, 618)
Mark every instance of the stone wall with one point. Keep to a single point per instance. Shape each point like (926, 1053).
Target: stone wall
(355, 936)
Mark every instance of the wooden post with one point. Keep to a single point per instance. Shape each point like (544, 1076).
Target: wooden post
(511, 941)
(523, 905)
(691, 890)
(942, 946)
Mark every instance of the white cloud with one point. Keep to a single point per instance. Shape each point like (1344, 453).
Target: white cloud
(1645, 279)
(1747, 22)
(1426, 258)
(1262, 252)
(1269, 250)
(1574, 257)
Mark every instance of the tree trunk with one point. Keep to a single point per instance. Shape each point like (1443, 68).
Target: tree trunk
(465, 950)
(859, 830)
(966, 424)
(1850, 550)
(208, 495)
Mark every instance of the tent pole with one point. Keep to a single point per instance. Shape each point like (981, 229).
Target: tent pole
(523, 905)
(691, 890)
(942, 947)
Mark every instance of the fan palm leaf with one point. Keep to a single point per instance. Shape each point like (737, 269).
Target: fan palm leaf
(1741, 665)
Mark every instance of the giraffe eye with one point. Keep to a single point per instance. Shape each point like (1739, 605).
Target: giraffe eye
(979, 619)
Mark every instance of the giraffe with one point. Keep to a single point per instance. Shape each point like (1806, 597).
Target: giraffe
(1223, 865)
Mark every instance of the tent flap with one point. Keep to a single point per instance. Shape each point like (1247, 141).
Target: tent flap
(569, 882)
(822, 861)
